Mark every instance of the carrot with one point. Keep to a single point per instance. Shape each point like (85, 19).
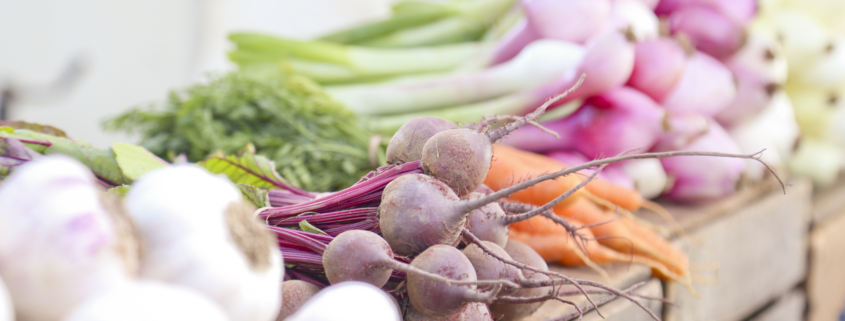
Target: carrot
(508, 168)
(553, 244)
(511, 164)
(624, 235)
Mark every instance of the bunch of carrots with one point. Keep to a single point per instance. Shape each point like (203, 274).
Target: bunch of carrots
(608, 232)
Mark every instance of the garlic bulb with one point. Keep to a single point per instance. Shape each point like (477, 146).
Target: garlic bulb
(198, 233)
(147, 300)
(58, 244)
(349, 300)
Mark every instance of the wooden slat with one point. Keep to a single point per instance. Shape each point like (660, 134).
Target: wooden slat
(760, 247)
(829, 202)
(789, 307)
(826, 277)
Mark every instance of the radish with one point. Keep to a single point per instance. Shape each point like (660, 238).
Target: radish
(613, 173)
(147, 300)
(648, 175)
(474, 311)
(294, 294)
(7, 312)
(198, 233)
(688, 183)
(519, 36)
(607, 124)
(708, 30)
(609, 60)
(567, 20)
(658, 66)
(775, 128)
(740, 11)
(59, 242)
(407, 143)
(539, 63)
(633, 14)
(667, 7)
(522, 253)
(348, 301)
(706, 87)
(760, 69)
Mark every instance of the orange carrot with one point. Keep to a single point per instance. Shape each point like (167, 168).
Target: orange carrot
(508, 168)
(554, 245)
(624, 235)
(503, 156)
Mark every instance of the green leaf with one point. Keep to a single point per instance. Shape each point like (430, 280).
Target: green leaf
(307, 227)
(250, 169)
(257, 196)
(135, 161)
(101, 161)
(44, 129)
(119, 191)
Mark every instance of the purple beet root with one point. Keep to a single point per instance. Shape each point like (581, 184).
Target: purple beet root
(407, 143)
(294, 294)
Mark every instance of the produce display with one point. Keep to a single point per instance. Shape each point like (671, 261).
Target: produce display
(432, 165)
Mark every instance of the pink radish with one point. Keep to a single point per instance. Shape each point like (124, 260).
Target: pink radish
(567, 20)
(708, 30)
(658, 66)
(695, 179)
(706, 87)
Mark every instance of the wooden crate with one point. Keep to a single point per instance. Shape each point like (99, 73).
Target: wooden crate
(621, 276)
(758, 239)
(789, 307)
(826, 275)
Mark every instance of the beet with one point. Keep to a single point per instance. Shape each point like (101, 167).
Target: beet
(407, 143)
(358, 255)
(505, 311)
(435, 299)
(294, 294)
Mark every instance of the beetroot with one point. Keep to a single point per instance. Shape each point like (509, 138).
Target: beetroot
(407, 143)
(294, 294)
(504, 311)
(434, 299)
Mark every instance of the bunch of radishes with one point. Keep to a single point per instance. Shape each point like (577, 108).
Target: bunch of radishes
(812, 34)
(691, 76)
(185, 247)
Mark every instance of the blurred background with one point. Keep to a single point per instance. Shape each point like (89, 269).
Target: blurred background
(131, 53)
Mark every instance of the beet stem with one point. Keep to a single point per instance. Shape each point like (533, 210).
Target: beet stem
(474, 239)
(484, 123)
(507, 129)
(619, 293)
(470, 205)
(412, 270)
(588, 308)
(524, 216)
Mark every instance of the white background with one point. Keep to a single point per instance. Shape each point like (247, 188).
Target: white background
(137, 50)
